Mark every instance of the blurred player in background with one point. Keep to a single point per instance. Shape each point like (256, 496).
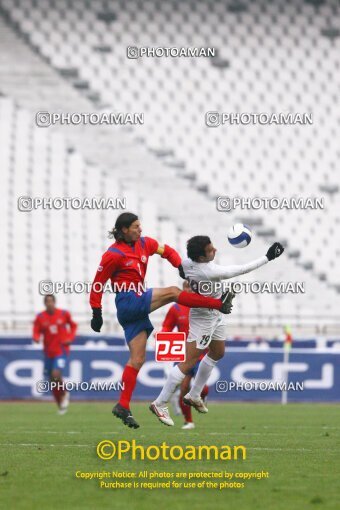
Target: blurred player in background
(208, 328)
(58, 330)
(125, 263)
(178, 317)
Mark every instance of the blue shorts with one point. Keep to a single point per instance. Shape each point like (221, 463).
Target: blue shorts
(57, 363)
(133, 313)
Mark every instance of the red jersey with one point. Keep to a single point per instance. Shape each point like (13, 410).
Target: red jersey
(125, 265)
(177, 317)
(56, 328)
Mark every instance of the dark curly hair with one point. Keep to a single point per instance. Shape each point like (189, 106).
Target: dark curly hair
(124, 220)
(196, 247)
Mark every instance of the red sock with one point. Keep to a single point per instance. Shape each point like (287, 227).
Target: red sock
(58, 394)
(196, 301)
(129, 380)
(186, 410)
(205, 391)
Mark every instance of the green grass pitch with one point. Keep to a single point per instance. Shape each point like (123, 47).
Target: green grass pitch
(299, 444)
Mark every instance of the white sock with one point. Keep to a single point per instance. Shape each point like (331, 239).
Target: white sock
(175, 378)
(203, 373)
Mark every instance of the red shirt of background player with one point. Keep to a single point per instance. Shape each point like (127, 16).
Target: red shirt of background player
(58, 329)
(178, 317)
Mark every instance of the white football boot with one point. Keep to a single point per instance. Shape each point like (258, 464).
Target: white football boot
(162, 414)
(188, 426)
(63, 406)
(197, 404)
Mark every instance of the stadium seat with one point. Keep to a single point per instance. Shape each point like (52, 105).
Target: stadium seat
(272, 50)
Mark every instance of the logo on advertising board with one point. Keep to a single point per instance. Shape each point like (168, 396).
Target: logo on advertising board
(170, 346)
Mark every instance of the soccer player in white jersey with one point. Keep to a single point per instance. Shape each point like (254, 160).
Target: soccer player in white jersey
(207, 328)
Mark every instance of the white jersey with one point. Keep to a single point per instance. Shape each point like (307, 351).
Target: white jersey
(197, 272)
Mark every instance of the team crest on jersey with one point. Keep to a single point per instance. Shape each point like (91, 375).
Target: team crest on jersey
(143, 258)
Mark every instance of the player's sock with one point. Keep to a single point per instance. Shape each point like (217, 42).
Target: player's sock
(129, 380)
(58, 391)
(186, 410)
(175, 378)
(205, 391)
(56, 394)
(204, 370)
(196, 301)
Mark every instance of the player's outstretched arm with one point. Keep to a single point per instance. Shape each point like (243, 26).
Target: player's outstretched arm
(107, 266)
(166, 252)
(224, 272)
(170, 254)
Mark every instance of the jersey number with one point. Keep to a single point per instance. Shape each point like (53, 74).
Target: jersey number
(204, 340)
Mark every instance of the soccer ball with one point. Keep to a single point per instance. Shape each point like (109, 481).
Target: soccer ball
(239, 235)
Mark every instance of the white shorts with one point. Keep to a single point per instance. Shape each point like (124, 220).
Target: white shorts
(204, 330)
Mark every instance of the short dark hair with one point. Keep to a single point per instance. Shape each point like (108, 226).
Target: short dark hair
(124, 220)
(196, 247)
(49, 295)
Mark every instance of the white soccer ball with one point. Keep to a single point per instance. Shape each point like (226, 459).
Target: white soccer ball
(239, 235)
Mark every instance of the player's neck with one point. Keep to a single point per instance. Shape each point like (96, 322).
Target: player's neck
(129, 243)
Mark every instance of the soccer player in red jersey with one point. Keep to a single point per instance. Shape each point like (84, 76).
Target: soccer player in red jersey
(58, 331)
(125, 263)
(178, 317)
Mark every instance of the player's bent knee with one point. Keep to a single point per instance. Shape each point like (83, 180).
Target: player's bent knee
(174, 292)
(188, 365)
(216, 356)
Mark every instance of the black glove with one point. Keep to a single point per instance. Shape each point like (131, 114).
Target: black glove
(181, 272)
(227, 301)
(275, 251)
(97, 319)
(229, 308)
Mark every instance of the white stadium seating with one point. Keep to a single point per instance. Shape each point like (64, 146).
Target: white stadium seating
(173, 166)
